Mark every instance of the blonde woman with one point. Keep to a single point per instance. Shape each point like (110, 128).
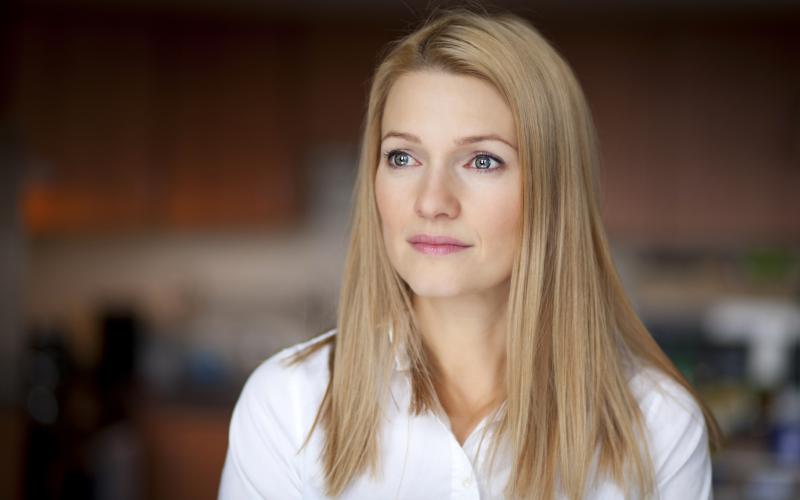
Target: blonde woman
(484, 346)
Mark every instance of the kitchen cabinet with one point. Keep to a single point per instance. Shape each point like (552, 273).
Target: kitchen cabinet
(139, 123)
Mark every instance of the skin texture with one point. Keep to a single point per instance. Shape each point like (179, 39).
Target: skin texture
(440, 189)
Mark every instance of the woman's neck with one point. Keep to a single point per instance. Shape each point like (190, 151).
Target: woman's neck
(466, 336)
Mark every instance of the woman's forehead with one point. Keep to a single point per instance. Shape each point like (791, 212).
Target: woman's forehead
(437, 103)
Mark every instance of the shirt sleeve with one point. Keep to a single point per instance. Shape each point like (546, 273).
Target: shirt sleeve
(679, 444)
(261, 460)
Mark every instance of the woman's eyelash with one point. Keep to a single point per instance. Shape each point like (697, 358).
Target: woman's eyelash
(500, 163)
(480, 154)
(391, 154)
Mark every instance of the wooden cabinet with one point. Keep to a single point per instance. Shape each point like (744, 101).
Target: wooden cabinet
(698, 125)
(143, 124)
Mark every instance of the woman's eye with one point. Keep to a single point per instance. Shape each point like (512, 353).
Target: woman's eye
(398, 158)
(485, 162)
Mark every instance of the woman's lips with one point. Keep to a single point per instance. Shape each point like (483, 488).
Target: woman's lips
(436, 245)
(431, 249)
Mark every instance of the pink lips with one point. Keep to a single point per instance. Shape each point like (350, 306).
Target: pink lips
(437, 245)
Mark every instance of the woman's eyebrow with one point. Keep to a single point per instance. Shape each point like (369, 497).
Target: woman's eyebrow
(460, 142)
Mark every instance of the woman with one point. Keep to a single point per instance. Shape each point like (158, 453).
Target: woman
(484, 346)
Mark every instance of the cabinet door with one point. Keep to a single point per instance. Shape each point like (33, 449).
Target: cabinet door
(84, 97)
(139, 125)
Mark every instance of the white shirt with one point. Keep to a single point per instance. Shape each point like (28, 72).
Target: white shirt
(420, 456)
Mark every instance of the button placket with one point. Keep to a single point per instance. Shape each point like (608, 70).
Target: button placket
(464, 483)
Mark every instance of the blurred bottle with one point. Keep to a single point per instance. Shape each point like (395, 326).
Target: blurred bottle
(116, 448)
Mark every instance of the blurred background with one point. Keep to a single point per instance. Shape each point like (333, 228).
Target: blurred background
(175, 181)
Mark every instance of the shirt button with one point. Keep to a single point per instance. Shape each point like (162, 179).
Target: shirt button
(467, 482)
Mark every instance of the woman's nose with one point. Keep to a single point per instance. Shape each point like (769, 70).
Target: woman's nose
(436, 194)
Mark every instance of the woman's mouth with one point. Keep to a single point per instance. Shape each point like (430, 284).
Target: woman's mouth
(437, 245)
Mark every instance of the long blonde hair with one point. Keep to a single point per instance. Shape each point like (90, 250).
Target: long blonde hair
(570, 326)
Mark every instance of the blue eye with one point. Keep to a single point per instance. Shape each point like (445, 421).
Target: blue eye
(402, 158)
(483, 162)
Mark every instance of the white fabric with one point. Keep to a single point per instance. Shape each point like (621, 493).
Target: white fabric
(420, 457)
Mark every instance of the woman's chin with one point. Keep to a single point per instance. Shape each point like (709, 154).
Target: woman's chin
(429, 288)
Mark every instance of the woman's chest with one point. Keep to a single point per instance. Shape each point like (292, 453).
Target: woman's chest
(421, 459)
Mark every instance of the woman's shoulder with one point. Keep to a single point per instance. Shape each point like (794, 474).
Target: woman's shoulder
(281, 394)
(677, 436)
(279, 373)
(661, 396)
(274, 411)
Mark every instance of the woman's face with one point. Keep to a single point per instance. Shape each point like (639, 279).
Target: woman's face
(449, 168)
